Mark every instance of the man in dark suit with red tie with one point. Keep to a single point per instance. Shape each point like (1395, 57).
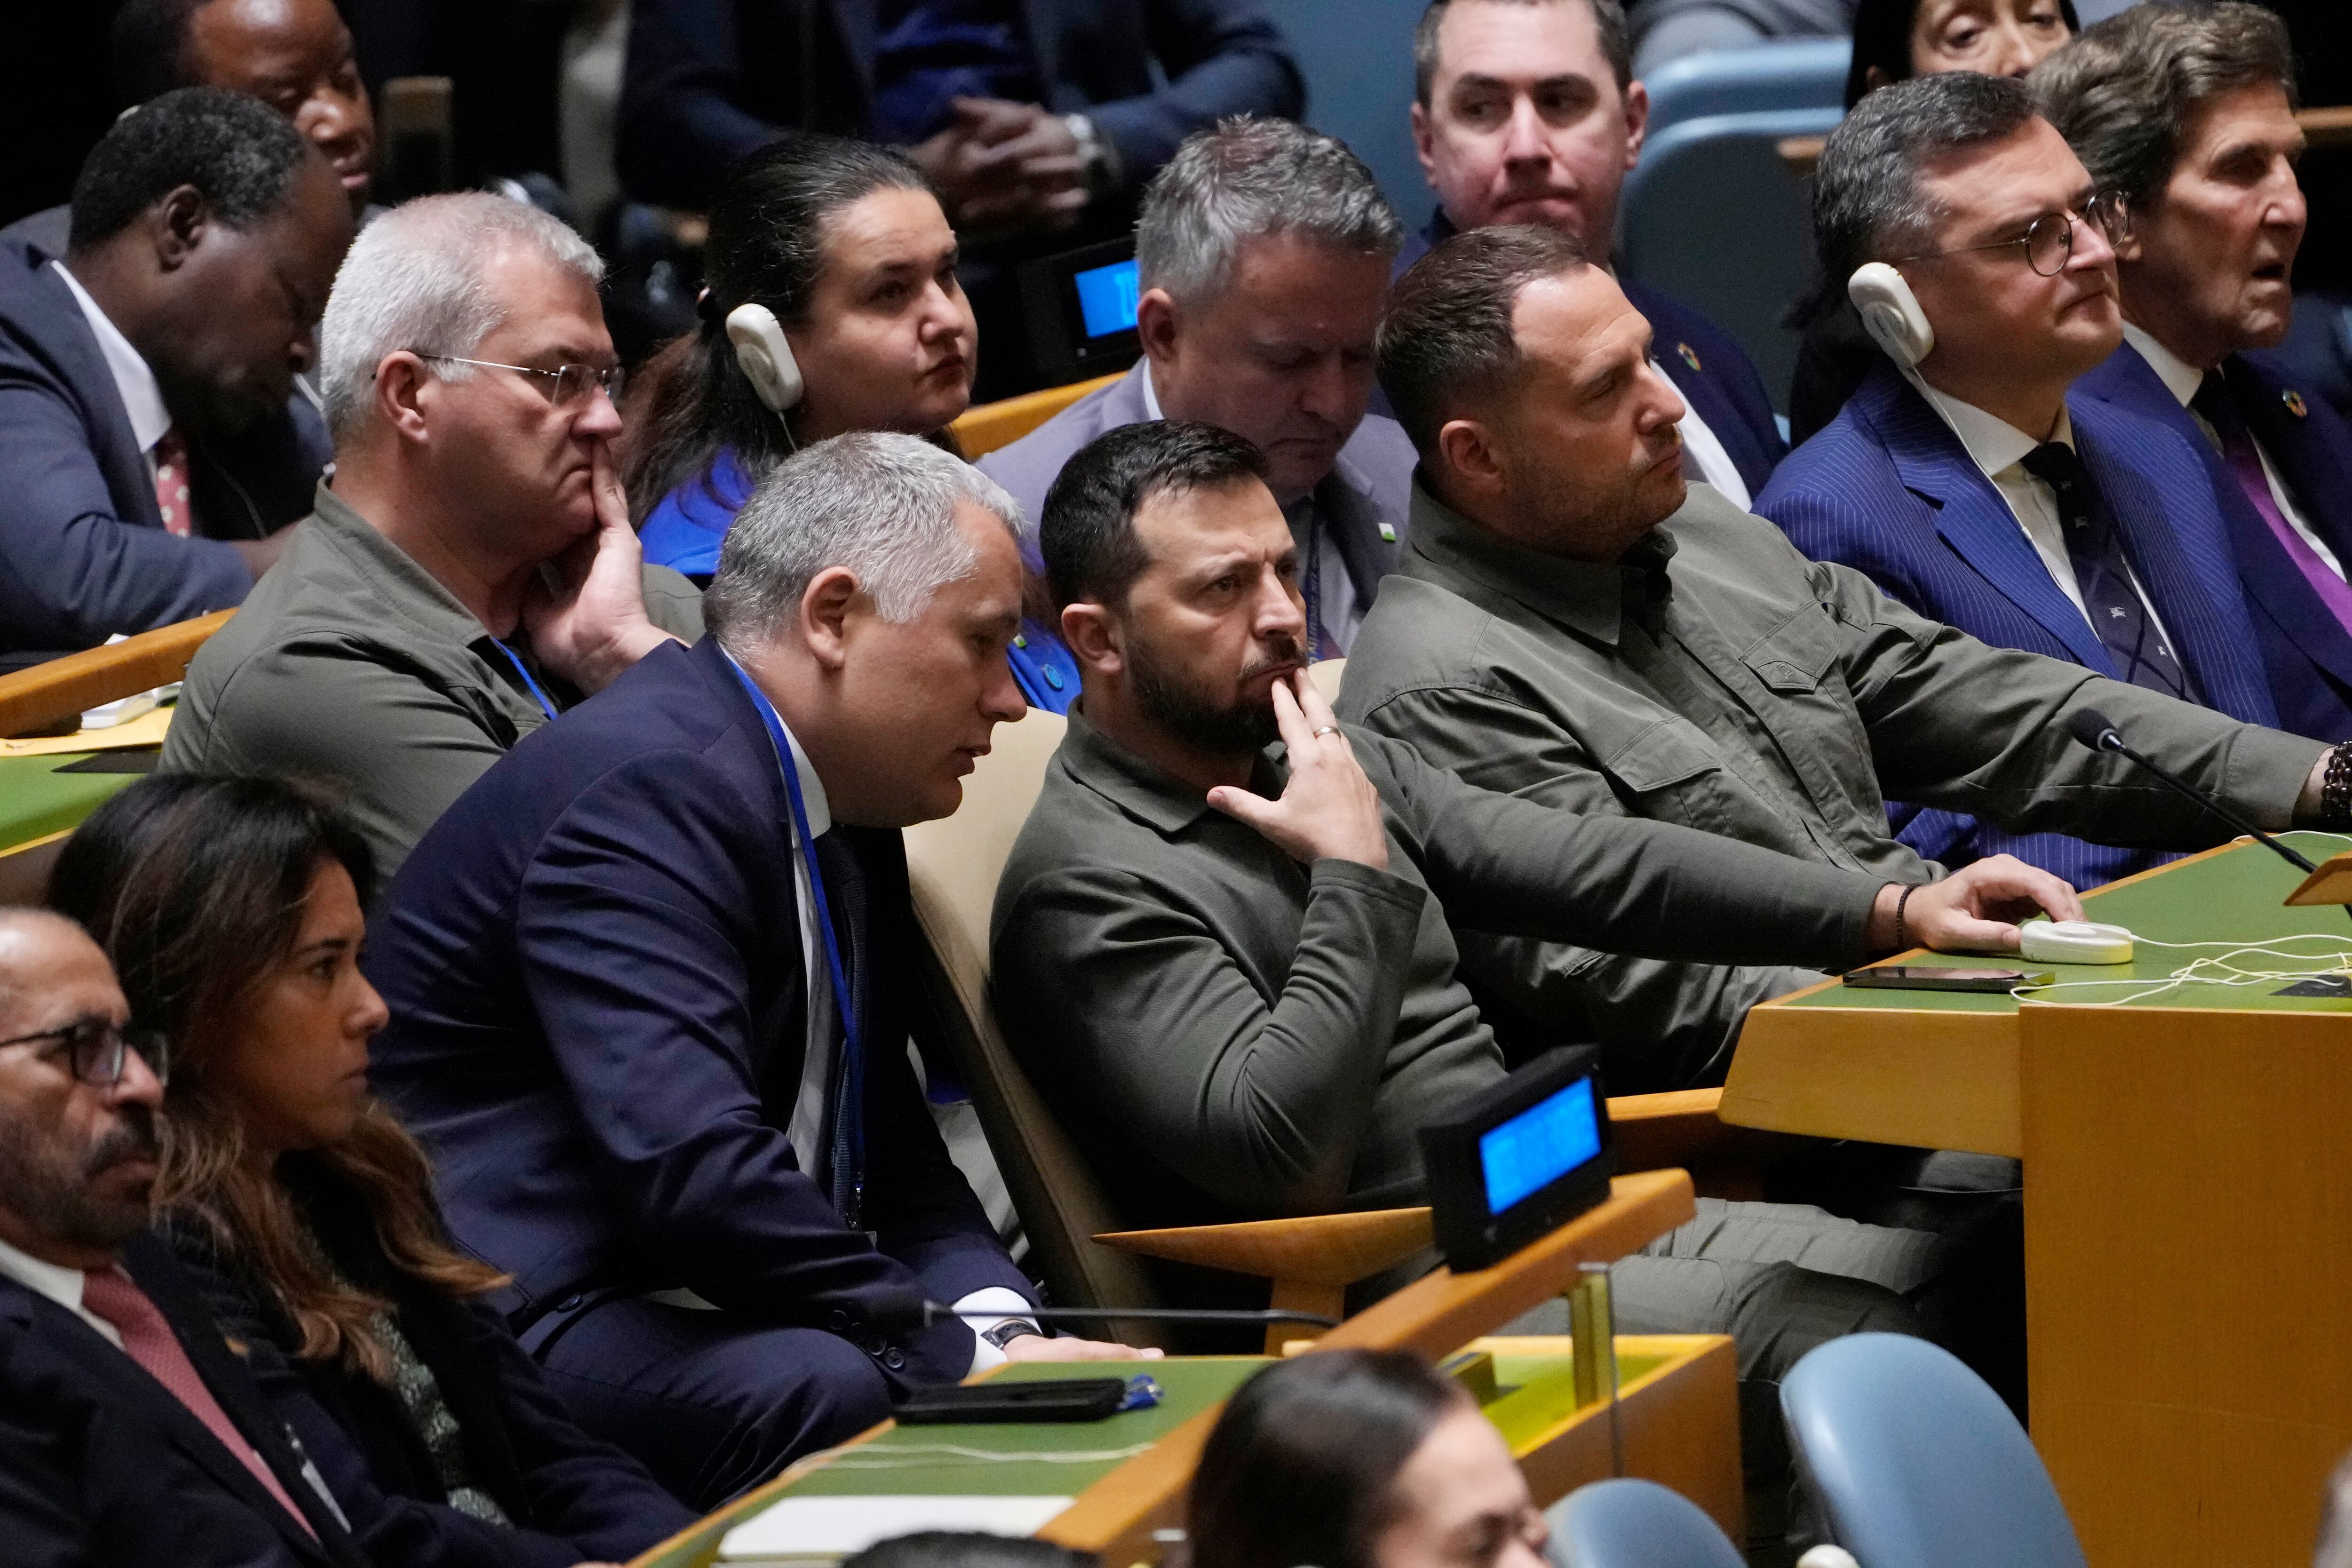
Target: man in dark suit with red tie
(128, 1434)
(2189, 113)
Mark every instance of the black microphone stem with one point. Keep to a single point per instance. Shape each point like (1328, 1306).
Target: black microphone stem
(2114, 743)
(933, 1312)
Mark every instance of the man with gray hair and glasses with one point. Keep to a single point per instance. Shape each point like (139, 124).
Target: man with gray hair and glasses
(2189, 113)
(470, 571)
(1966, 476)
(1263, 255)
(652, 981)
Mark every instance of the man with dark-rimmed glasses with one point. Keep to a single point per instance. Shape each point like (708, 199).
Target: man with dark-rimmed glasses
(1972, 482)
(128, 1434)
(470, 571)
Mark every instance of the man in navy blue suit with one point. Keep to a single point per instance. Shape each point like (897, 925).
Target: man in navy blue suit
(1973, 486)
(146, 446)
(652, 981)
(2189, 113)
(1526, 111)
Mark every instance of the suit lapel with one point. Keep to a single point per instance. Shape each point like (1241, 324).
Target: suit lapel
(1355, 526)
(75, 345)
(1970, 515)
(2312, 465)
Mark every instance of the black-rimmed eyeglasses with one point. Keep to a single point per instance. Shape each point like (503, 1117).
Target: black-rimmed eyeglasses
(95, 1050)
(573, 383)
(2049, 239)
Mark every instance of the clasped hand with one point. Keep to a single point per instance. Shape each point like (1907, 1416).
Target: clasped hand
(1003, 166)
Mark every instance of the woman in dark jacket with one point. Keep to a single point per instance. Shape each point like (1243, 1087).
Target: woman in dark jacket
(231, 909)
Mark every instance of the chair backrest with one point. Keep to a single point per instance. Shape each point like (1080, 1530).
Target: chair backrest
(981, 430)
(1326, 674)
(1636, 1524)
(1712, 216)
(1796, 73)
(954, 866)
(36, 697)
(1916, 1463)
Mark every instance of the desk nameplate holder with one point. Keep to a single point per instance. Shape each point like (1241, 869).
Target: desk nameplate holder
(2330, 884)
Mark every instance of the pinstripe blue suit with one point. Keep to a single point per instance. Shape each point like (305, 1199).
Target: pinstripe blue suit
(1887, 489)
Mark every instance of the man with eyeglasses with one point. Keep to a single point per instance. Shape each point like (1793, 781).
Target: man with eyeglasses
(128, 1434)
(1975, 483)
(470, 571)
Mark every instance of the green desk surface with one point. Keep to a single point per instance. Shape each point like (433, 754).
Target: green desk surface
(2235, 896)
(1537, 1392)
(35, 800)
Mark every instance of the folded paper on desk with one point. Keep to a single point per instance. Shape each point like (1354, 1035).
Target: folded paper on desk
(816, 1531)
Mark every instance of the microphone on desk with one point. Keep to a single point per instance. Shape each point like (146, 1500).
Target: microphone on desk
(935, 1312)
(2092, 728)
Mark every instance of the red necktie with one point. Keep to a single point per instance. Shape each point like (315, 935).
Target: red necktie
(148, 1339)
(171, 483)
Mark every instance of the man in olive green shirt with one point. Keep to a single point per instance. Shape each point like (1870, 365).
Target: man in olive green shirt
(1574, 626)
(472, 571)
(1230, 965)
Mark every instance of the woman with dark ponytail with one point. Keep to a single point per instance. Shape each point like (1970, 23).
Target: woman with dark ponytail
(230, 908)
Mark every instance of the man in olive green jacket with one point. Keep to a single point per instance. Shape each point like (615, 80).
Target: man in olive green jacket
(1574, 626)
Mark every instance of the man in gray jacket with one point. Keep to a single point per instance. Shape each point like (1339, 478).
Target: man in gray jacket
(1263, 255)
(1230, 964)
(1574, 625)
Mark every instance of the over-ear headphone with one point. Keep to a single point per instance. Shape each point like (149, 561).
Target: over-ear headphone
(1891, 314)
(764, 357)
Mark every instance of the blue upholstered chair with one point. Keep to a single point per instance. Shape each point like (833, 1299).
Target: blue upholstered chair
(1636, 1524)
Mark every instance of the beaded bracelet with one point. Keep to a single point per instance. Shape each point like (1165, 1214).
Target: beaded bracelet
(2335, 790)
(1902, 941)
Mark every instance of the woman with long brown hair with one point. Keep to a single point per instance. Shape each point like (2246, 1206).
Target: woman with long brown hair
(231, 909)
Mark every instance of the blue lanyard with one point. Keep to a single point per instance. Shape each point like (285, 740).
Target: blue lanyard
(850, 1114)
(515, 659)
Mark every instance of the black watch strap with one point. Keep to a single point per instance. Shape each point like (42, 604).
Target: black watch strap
(1012, 1329)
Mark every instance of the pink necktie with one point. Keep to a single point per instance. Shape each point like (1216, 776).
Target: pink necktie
(171, 483)
(148, 1339)
(2245, 463)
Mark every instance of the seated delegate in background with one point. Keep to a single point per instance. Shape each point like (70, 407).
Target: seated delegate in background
(1037, 122)
(1526, 111)
(147, 455)
(2189, 116)
(1894, 40)
(129, 1436)
(1263, 256)
(296, 55)
(232, 911)
(1977, 489)
(1574, 625)
(652, 981)
(1359, 1459)
(415, 630)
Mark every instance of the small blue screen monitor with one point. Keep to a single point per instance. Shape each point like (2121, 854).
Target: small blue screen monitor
(1538, 1146)
(1107, 297)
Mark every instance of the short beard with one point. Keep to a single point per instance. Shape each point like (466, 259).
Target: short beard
(56, 1194)
(1175, 702)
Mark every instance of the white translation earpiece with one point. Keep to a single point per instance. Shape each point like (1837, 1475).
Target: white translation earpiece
(764, 357)
(1891, 314)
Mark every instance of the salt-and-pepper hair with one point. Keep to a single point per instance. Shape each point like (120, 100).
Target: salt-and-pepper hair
(1871, 201)
(1249, 178)
(416, 279)
(879, 504)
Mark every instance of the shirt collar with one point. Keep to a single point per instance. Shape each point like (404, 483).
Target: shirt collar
(135, 380)
(58, 1283)
(2179, 377)
(1584, 596)
(396, 574)
(1143, 789)
(813, 798)
(1151, 396)
(1993, 442)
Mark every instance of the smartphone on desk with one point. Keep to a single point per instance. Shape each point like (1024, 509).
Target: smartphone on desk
(1938, 977)
(1048, 1399)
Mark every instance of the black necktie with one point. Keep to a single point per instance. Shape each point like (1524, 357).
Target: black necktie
(2103, 574)
(845, 890)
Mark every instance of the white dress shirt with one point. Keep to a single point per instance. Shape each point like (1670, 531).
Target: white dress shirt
(135, 380)
(58, 1283)
(2182, 379)
(1704, 452)
(1999, 448)
(1334, 590)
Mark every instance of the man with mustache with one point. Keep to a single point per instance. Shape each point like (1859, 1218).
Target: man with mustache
(2190, 114)
(1978, 484)
(1526, 111)
(1263, 255)
(470, 572)
(1231, 964)
(653, 978)
(129, 1434)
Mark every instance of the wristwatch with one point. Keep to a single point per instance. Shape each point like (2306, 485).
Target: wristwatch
(1101, 157)
(1012, 1329)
